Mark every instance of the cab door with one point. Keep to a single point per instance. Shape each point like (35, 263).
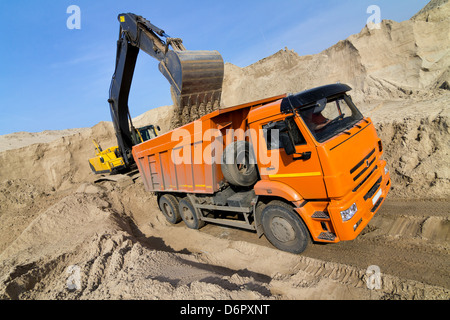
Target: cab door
(302, 170)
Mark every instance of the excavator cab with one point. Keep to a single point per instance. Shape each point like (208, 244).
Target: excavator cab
(145, 133)
(110, 160)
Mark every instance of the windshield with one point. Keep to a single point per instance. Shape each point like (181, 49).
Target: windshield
(327, 118)
(147, 133)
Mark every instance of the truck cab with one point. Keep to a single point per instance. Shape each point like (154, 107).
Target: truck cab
(329, 161)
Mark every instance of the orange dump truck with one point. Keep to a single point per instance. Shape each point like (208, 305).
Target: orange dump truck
(295, 168)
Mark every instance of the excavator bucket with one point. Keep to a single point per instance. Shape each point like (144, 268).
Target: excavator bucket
(196, 78)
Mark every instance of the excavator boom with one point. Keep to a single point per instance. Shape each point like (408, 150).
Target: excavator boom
(196, 77)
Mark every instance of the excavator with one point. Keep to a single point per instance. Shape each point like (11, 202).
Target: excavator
(196, 79)
(110, 160)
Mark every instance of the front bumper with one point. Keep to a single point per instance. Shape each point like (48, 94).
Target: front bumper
(368, 200)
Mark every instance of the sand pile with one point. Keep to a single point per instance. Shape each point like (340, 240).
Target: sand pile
(398, 60)
(417, 150)
(23, 139)
(58, 164)
(65, 235)
(85, 236)
(161, 116)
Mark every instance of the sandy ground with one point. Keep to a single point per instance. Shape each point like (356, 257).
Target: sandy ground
(66, 234)
(124, 249)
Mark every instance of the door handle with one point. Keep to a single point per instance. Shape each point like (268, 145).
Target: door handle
(304, 156)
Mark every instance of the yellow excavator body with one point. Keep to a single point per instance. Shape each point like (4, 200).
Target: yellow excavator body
(110, 161)
(106, 161)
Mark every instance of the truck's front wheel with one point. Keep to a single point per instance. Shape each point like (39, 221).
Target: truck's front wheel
(284, 228)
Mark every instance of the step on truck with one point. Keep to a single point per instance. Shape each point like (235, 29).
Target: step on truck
(295, 168)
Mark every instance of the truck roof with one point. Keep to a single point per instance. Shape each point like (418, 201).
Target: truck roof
(310, 96)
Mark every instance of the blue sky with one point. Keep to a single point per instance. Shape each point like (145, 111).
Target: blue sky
(54, 78)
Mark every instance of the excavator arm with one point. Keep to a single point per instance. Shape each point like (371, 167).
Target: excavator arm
(196, 77)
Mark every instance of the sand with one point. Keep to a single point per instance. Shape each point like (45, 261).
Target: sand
(65, 234)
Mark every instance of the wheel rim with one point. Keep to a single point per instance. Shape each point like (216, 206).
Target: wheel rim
(282, 229)
(187, 214)
(242, 162)
(168, 211)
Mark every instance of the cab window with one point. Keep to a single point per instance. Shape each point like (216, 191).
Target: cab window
(276, 132)
(329, 117)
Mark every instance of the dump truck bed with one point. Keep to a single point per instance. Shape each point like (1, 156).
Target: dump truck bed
(174, 162)
(157, 163)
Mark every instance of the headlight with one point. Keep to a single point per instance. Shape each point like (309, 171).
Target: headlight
(349, 213)
(386, 170)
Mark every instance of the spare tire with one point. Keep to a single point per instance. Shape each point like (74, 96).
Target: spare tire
(239, 164)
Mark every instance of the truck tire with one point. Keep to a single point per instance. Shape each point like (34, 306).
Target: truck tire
(239, 164)
(284, 228)
(168, 205)
(189, 215)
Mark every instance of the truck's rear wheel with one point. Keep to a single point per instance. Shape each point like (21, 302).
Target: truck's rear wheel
(239, 165)
(189, 216)
(284, 228)
(168, 205)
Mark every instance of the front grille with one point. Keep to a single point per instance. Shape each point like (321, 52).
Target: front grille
(375, 207)
(364, 170)
(366, 163)
(374, 189)
(365, 179)
(362, 162)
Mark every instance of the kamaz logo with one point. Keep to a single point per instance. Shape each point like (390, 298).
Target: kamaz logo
(367, 163)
